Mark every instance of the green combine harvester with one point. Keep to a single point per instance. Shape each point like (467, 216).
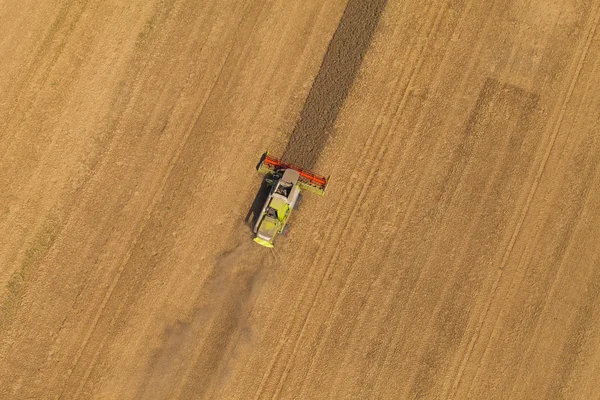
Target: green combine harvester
(286, 182)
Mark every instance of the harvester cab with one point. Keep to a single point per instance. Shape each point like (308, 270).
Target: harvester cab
(286, 182)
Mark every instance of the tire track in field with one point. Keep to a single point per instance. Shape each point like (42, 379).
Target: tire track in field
(402, 162)
(151, 211)
(42, 65)
(449, 317)
(463, 360)
(49, 231)
(531, 304)
(585, 327)
(161, 15)
(569, 237)
(400, 107)
(334, 81)
(64, 19)
(387, 339)
(452, 180)
(127, 94)
(524, 213)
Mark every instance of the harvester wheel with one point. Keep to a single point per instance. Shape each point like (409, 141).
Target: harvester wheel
(298, 202)
(286, 230)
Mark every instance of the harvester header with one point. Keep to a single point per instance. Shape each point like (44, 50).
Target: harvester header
(307, 180)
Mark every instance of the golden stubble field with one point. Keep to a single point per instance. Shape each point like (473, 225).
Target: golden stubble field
(455, 256)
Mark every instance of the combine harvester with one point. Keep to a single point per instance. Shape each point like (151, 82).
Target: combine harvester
(286, 182)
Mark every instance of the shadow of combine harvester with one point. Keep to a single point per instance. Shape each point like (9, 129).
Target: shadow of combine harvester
(259, 199)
